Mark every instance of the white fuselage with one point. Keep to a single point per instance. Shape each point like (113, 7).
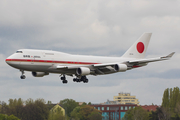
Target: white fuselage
(46, 60)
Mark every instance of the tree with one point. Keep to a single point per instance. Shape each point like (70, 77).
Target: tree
(3, 108)
(84, 103)
(35, 110)
(138, 113)
(50, 105)
(86, 112)
(75, 113)
(15, 107)
(171, 98)
(95, 116)
(163, 113)
(89, 103)
(165, 99)
(153, 115)
(6, 117)
(68, 105)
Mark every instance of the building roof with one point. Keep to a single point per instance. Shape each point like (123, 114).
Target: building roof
(149, 107)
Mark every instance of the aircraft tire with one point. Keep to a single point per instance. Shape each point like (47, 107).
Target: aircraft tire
(62, 78)
(75, 80)
(85, 81)
(22, 76)
(65, 81)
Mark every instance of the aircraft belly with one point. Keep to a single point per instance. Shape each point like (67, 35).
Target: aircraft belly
(42, 67)
(14, 64)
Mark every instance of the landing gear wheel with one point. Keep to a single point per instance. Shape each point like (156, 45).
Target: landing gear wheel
(65, 81)
(75, 79)
(22, 76)
(63, 78)
(85, 81)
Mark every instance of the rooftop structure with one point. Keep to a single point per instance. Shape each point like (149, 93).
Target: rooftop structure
(149, 107)
(126, 98)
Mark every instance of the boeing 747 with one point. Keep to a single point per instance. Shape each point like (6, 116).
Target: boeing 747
(43, 62)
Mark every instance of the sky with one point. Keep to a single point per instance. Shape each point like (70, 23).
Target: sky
(90, 27)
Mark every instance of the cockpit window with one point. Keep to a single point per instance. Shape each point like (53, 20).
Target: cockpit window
(19, 52)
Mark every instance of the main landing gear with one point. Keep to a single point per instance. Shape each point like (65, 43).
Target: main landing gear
(83, 78)
(78, 79)
(64, 79)
(22, 76)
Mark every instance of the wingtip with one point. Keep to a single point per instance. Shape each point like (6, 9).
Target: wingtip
(170, 55)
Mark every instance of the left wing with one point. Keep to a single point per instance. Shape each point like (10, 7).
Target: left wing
(143, 61)
(107, 68)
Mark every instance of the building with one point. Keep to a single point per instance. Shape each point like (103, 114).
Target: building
(57, 108)
(126, 98)
(113, 111)
(149, 107)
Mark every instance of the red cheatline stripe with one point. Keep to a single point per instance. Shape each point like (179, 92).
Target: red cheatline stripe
(135, 66)
(49, 61)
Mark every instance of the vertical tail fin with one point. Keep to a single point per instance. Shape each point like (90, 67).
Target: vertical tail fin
(138, 49)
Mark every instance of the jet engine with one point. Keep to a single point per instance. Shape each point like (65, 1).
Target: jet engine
(83, 71)
(39, 74)
(120, 67)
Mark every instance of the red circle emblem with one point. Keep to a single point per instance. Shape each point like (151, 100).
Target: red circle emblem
(140, 47)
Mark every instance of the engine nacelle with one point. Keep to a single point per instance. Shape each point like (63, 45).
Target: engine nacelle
(83, 71)
(120, 67)
(39, 74)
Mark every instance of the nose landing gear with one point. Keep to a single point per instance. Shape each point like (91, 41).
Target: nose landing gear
(22, 76)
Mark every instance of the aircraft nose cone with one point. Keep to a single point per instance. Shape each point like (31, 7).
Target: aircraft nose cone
(7, 60)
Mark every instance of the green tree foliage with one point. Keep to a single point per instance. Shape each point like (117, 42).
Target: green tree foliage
(138, 113)
(15, 107)
(31, 110)
(84, 103)
(6, 117)
(163, 113)
(171, 98)
(95, 116)
(171, 103)
(89, 103)
(3, 107)
(75, 114)
(86, 112)
(50, 105)
(166, 98)
(36, 110)
(68, 105)
(153, 115)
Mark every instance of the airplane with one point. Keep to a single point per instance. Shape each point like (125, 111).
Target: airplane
(43, 62)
